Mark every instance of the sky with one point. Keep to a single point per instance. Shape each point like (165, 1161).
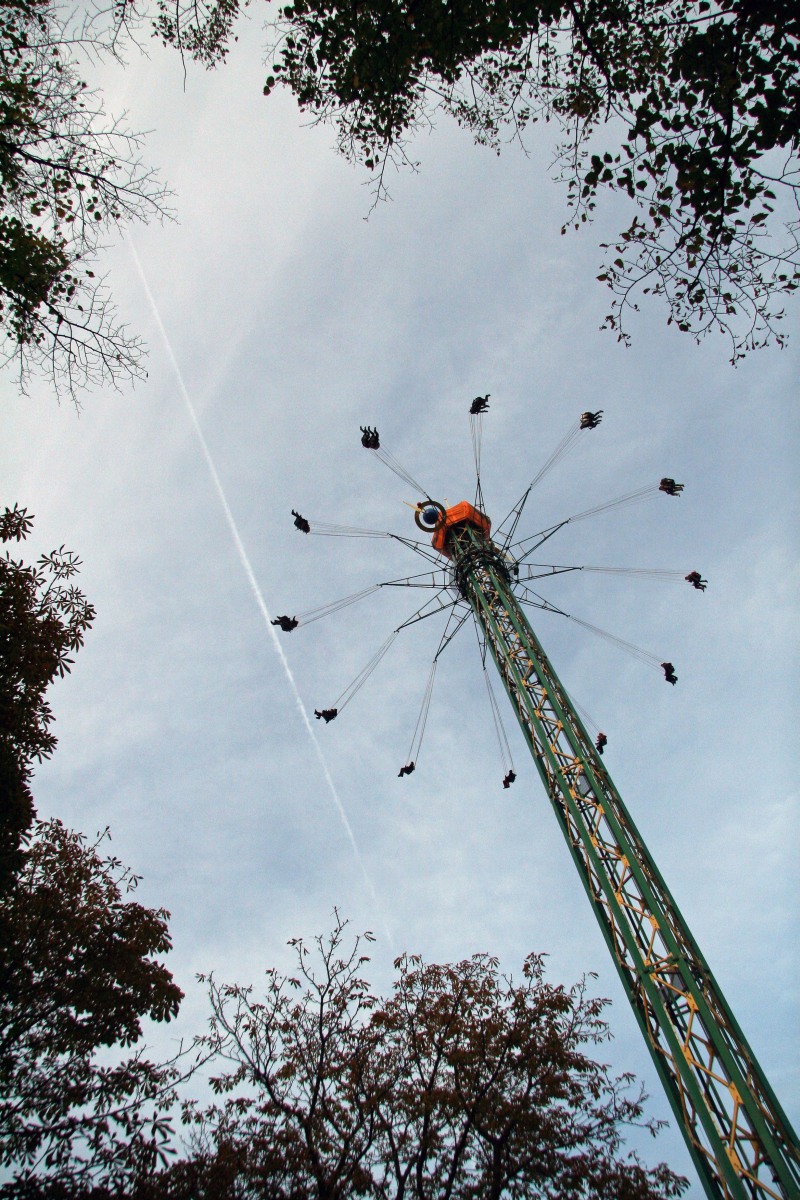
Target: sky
(281, 314)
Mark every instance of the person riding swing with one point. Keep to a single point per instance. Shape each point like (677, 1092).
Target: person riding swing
(287, 624)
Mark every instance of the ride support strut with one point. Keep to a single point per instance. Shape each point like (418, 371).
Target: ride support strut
(738, 1136)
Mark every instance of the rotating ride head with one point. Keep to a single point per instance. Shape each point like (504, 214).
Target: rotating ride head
(432, 517)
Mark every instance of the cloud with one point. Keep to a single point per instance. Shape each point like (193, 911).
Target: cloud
(292, 322)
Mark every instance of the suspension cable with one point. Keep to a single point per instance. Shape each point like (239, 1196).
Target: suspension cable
(422, 719)
(325, 610)
(643, 493)
(636, 497)
(363, 675)
(644, 656)
(499, 728)
(639, 572)
(326, 529)
(588, 721)
(476, 433)
(563, 448)
(392, 463)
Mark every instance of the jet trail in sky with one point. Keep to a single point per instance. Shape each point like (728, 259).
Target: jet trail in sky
(248, 570)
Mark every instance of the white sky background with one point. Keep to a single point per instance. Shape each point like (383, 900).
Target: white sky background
(294, 321)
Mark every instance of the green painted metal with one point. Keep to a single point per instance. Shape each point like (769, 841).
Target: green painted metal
(738, 1136)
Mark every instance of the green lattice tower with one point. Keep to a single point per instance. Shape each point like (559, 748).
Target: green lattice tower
(740, 1140)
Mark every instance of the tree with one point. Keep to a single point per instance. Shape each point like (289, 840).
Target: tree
(689, 108)
(43, 621)
(77, 976)
(461, 1084)
(68, 174)
(78, 957)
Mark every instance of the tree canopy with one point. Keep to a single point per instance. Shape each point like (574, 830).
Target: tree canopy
(688, 108)
(68, 175)
(79, 970)
(80, 961)
(43, 620)
(461, 1083)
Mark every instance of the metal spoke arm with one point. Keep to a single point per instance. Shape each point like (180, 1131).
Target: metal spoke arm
(514, 516)
(532, 571)
(563, 447)
(422, 548)
(541, 571)
(323, 529)
(529, 545)
(449, 632)
(427, 579)
(435, 605)
(326, 529)
(528, 596)
(739, 1138)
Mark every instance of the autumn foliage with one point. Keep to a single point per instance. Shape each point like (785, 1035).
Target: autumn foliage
(44, 617)
(461, 1083)
(80, 970)
(687, 109)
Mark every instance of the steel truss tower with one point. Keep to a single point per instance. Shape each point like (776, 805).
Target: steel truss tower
(740, 1140)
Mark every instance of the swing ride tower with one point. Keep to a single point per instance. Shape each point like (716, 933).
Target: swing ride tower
(740, 1141)
(739, 1138)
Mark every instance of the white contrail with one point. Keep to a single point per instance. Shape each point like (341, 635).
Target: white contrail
(248, 570)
